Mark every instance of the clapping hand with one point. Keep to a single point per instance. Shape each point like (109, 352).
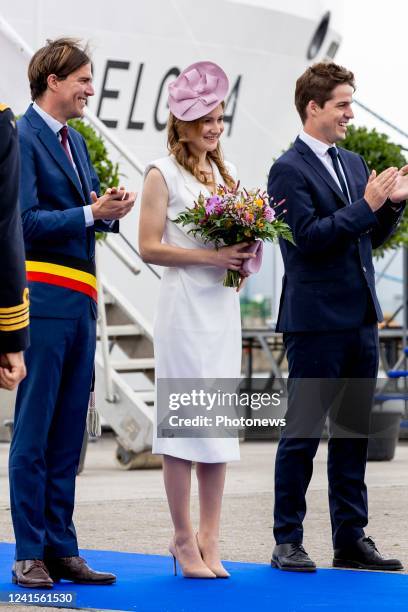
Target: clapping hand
(379, 187)
(114, 204)
(400, 191)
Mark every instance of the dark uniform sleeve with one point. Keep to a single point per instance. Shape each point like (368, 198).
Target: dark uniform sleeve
(14, 309)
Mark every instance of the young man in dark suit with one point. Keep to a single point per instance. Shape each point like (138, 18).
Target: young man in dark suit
(14, 309)
(328, 314)
(60, 213)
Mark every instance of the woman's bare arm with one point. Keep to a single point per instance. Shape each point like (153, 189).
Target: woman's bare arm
(151, 228)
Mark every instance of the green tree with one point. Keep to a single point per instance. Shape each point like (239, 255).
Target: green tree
(379, 153)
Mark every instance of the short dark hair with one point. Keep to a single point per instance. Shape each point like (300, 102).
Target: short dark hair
(317, 83)
(60, 57)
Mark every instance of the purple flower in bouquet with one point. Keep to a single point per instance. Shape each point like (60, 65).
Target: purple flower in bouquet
(269, 214)
(213, 204)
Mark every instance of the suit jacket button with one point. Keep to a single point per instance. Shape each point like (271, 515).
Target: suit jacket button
(364, 269)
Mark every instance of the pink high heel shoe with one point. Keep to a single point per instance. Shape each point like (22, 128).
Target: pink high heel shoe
(219, 570)
(193, 572)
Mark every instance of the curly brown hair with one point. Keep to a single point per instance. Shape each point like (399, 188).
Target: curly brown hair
(317, 83)
(177, 145)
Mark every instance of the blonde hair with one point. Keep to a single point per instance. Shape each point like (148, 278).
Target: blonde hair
(177, 145)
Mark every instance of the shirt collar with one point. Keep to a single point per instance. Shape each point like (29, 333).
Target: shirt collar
(52, 123)
(318, 147)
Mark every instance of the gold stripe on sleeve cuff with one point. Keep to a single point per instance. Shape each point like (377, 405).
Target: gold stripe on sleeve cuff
(16, 310)
(20, 325)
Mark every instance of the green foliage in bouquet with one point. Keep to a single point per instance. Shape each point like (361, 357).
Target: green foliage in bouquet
(107, 171)
(379, 153)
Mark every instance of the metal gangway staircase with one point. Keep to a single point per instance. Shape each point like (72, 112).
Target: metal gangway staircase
(124, 363)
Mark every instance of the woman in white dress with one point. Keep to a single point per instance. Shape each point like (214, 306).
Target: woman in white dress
(197, 331)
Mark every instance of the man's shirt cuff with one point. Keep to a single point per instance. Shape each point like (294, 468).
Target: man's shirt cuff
(89, 219)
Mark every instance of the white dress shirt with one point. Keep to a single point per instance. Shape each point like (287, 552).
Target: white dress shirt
(55, 126)
(320, 148)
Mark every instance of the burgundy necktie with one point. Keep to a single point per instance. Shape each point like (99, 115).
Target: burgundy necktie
(64, 142)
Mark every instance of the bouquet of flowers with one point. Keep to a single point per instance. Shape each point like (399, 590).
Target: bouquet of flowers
(236, 215)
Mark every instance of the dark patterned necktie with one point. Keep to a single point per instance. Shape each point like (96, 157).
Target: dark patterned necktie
(64, 142)
(332, 151)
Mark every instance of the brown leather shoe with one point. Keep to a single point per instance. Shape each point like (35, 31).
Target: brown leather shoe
(31, 573)
(76, 570)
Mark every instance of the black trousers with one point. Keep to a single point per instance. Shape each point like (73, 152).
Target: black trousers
(330, 373)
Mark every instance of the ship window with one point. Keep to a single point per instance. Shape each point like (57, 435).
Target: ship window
(332, 50)
(318, 37)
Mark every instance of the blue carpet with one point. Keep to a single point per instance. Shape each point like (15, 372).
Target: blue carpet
(146, 584)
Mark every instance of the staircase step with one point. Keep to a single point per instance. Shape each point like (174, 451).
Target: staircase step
(108, 298)
(146, 396)
(129, 329)
(132, 365)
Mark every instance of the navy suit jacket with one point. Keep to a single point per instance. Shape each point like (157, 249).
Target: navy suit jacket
(52, 196)
(329, 275)
(13, 292)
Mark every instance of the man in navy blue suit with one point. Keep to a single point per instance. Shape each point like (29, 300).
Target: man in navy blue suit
(60, 213)
(328, 314)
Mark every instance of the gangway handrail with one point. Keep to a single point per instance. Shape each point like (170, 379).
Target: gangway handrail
(14, 37)
(381, 274)
(120, 254)
(134, 315)
(382, 119)
(136, 252)
(119, 146)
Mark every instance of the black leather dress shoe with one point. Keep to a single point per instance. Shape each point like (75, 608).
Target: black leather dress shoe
(292, 558)
(76, 570)
(363, 554)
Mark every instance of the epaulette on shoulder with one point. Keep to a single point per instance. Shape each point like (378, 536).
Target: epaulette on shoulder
(3, 107)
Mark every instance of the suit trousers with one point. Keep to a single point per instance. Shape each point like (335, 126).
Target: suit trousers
(50, 419)
(330, 374)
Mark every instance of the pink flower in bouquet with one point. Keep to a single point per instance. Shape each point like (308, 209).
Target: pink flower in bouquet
(269, 214)
(213, 204)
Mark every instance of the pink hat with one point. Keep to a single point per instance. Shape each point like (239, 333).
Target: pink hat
(197, 91)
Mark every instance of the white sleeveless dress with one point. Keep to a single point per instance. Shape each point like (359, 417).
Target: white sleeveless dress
(197, 330)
